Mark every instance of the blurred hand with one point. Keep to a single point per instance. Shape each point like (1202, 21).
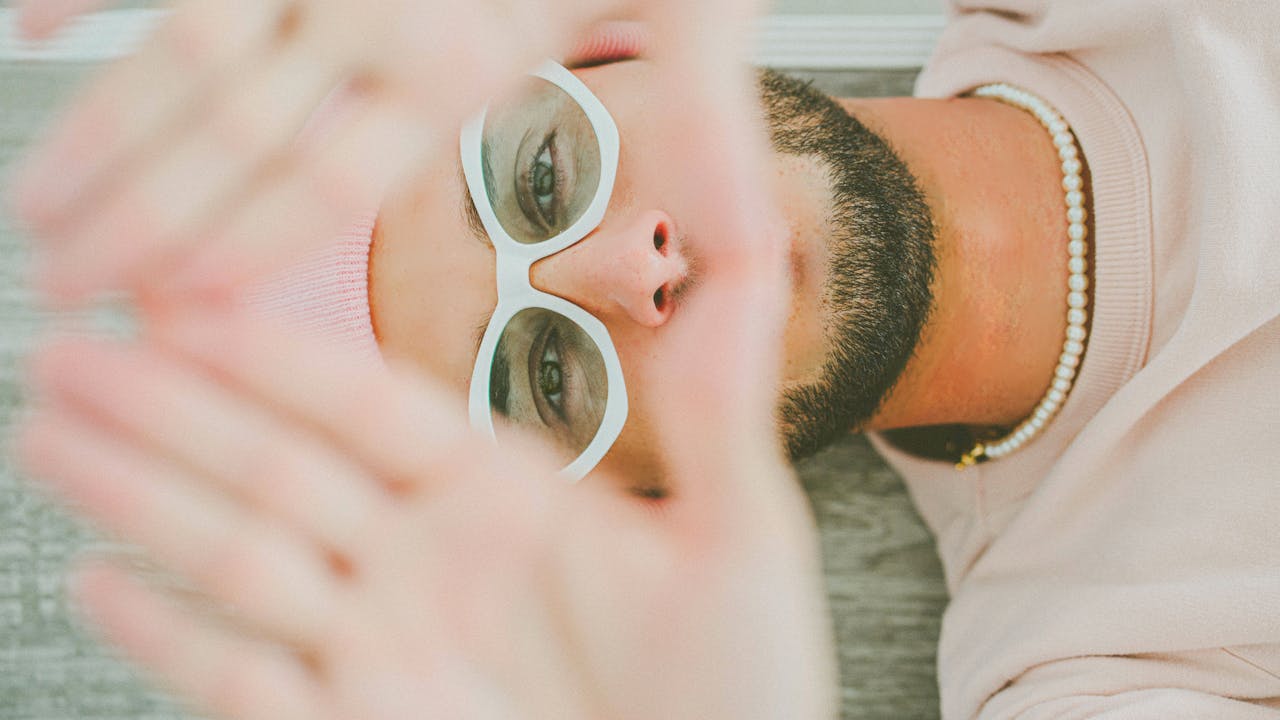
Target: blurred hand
(180, 168)
(381, 561)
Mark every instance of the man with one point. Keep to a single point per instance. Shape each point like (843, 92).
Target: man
(860, 258)
(1086, 536)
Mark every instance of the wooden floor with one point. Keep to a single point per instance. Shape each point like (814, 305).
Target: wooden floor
(884, 580)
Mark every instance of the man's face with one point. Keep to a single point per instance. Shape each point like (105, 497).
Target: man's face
(433, 285)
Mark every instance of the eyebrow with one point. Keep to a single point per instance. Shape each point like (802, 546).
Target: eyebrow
(474, 224)
(479, 332)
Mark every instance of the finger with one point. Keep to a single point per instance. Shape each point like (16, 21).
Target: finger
(263, 572)
(328, 182)
(166, 204)
(702, 60)
(750, 243)
(39, 19)
(396, 426)
(224, 672)
(701, 54)
(172, 412)
(497, 42)
(134, 102)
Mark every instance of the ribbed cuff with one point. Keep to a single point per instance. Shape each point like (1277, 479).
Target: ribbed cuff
(325, 296)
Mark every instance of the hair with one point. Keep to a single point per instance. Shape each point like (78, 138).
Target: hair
(877, 295)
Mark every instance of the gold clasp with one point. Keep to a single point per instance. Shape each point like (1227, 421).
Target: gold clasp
(970, 458)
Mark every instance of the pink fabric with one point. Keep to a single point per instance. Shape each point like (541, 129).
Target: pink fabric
(326, 294)
(1126, 564)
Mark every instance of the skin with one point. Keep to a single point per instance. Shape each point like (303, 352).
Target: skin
(986, 353)
(427, 297)
(380, 560)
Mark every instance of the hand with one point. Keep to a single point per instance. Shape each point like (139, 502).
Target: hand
(383, 562)
(181, 169)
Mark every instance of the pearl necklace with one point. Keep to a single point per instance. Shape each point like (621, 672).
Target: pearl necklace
(1077, 281)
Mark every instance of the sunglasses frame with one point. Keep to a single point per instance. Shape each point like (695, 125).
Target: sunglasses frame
(516, 292)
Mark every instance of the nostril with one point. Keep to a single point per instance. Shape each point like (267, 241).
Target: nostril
(660, 298)
(659, 237)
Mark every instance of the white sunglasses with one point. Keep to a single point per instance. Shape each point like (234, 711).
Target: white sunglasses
(540, 169)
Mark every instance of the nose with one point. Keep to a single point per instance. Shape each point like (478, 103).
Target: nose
(629, 268)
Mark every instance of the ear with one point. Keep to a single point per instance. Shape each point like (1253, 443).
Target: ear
(609, 41)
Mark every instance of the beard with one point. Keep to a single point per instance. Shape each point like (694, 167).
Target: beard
(876, 296)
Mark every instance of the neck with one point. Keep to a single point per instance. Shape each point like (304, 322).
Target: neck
(992, 178)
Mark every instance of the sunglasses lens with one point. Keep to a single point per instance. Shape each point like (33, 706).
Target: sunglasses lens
(541, 161)
(547, 376)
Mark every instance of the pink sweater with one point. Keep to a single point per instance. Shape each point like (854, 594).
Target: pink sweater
(1126, 564)
(326, 294)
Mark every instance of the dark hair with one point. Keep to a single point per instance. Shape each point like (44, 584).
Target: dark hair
(877, 292)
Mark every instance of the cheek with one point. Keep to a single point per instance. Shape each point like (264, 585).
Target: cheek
(639, 349)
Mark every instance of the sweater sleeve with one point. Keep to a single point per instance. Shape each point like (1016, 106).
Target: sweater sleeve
(1228, 683)
(1151, 704)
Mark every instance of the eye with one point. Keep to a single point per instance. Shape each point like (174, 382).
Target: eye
(544, 181)
(551, 374)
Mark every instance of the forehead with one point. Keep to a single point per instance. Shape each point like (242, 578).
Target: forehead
(622, 84)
